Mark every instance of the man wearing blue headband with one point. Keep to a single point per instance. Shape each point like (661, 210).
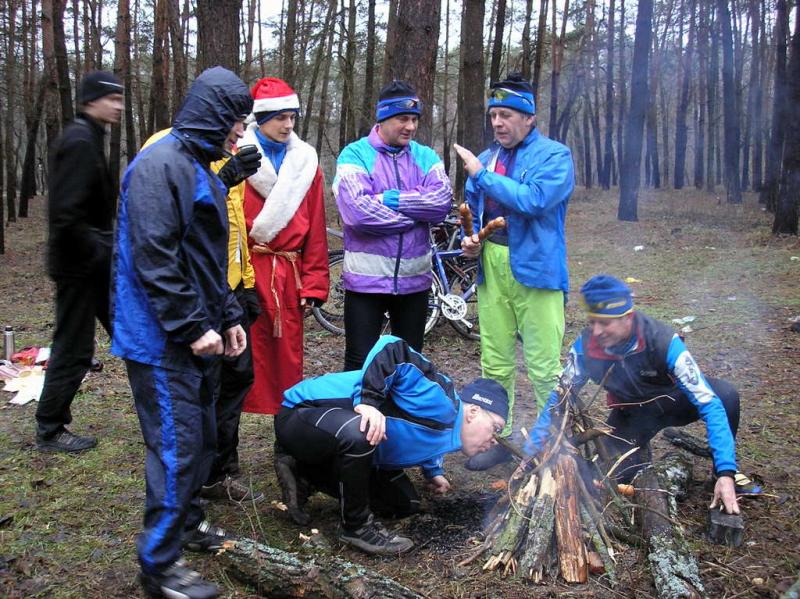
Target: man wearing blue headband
(389, 189)
(522, 281)
(652, 382)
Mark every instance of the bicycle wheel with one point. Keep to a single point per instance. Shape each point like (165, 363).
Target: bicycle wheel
(331, 314)
(433, 303)
(463, 282)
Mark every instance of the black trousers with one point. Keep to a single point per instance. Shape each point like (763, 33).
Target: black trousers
(236, 378)
(639, 424)
(79, 302)
(335, 457)
(176, 415)
(364, 314)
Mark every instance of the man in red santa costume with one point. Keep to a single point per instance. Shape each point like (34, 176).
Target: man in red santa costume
(285, 216)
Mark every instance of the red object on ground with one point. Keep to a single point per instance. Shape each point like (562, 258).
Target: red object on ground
(26, 356)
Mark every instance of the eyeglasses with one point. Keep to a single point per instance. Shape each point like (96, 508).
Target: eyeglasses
(502, 93)
(496, 428)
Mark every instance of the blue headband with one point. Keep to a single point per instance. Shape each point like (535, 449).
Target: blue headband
(605, 296)
(386, 109)
(263, 117)
(521, 101)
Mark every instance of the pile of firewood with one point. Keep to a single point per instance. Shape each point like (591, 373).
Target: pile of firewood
(565, 513)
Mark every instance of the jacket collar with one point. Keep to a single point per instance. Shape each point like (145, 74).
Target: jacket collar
(636, 344)
(376, 141)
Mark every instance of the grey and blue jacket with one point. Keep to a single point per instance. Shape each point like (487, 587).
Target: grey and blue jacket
(423, 411)
(388, 197)
(170, 259)
(656, 363)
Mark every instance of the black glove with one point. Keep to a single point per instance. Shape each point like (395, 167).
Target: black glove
(248, 300)
(243, 164)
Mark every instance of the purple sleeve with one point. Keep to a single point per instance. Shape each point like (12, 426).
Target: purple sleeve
(430, 200)
(363, 210)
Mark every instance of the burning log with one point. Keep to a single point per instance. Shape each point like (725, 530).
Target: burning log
(276, 573)
(674, 569)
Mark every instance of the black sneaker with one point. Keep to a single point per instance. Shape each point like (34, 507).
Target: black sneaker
(66, 442)
(231, 489)
(373, 538)
(205, 538)
(489, 458)
(178, 582)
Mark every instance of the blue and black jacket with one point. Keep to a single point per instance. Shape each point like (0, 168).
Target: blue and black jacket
(656, 363)
(170, 260)
(423, 411)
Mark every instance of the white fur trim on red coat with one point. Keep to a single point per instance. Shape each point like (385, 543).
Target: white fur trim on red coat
(282, 192)
(272, 104)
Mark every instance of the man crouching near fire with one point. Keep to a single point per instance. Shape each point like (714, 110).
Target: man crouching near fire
(351, 434)
(652, 382)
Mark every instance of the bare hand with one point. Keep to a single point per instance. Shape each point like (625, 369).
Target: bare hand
(471, 246)
(235, 341)
(210, 344)
(373, 422)
(471, 163)
(306, 304)
(439, 484)
(725, 491)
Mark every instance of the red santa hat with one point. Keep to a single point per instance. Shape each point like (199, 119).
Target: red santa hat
(272, 95)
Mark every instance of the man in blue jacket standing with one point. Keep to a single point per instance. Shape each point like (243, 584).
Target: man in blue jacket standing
(527, 179)
(174, 315)
(351, 434)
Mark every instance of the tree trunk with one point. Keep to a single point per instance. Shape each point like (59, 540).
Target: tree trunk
(587, 148)
(180, 73)
(769, 194)
(445, 92)
(10, 102)
(623, 93)
(541, 32)
(62, 66)
(319, 59)
(558, 57)
(470, 82)
(289, 37)
(712, 87)
(681, 128)
(276, 573)
(494, 67)
(347, 131)
(731, 118)
(701, 107)
(218, 34)
(786, 211)
(28, 183)
(121, 70)
(414, 59)
(629, 175)
(605, 176)
(366, 118)
(159, 101)
(526, 41)
(323, 98)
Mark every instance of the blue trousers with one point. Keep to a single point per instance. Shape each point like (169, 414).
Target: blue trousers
(176, 415)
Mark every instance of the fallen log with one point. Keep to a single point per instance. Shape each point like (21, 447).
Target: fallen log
(571, 550)
(674, 569)
(280, 574)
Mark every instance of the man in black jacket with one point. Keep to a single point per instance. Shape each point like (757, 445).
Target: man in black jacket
(174, 314)
(82, 204)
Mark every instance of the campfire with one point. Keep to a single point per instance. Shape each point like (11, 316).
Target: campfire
(564, 513)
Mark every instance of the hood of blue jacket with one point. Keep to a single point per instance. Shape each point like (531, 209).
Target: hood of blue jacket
(214, 103)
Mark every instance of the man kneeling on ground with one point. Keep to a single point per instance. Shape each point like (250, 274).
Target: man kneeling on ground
(351, 434)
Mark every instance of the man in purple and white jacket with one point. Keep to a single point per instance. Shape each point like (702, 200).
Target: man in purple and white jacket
(389, 189)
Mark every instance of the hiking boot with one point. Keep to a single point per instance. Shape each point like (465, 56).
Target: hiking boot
(373, 538)
(205, 538)
(66, 442)
(294, 489)
(231, 489)
(178, 582)
(489, 458)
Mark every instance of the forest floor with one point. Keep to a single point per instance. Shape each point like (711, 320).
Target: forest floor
(68, 523)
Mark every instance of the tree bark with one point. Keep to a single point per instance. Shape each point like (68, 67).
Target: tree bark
(701, 107)
(218, 34)
(28, 182)
(289, 37)
(555, 76)
(276, 573)
(323, 98)
(9, 149)
(541, 32)
(629, 175)
(62, 66)
(526, 41)
(122, 70)
(414, 59)
(605, 176)
(319, 59)
(681, 128)
(623, 93)
(159, 101)
(769, 194)
(347, 67)
(366, 118)
(730, 116)
(470, 82)
(712, 87)
(786, 211)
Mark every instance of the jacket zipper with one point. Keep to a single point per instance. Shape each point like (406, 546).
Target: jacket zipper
(400, 242)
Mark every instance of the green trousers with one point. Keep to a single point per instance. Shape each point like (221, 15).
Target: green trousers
(507, 308)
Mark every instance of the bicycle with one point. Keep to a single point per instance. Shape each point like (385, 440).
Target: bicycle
(453, 289)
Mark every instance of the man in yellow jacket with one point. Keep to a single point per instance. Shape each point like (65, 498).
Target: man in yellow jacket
(237, 373)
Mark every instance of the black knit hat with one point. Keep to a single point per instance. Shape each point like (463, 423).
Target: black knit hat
(488, 394)
(98, 84)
